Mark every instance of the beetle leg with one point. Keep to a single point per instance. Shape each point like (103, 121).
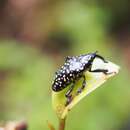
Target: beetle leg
(69, 95)
(100, 70)
(98, 56)
(83, 85)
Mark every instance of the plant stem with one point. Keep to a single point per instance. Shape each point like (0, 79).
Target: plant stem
(50, 126)
(62, 124)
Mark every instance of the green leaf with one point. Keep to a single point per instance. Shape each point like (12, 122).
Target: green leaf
(94, 80)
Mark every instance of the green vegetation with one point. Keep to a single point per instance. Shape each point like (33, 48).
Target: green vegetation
(26, 74)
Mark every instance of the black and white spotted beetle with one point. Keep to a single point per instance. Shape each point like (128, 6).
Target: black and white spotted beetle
(72, 70)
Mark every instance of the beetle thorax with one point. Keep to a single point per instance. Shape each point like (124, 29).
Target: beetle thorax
(75, 65)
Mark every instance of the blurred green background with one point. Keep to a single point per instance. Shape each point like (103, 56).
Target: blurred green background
(35, 38)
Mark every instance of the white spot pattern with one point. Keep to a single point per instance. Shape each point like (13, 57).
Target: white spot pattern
(75, 65)
(70, 71)
(85, 59)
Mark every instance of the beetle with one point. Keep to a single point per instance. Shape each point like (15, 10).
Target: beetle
(73, 69)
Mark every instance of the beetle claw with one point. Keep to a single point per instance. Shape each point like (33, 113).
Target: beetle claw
(69, 99)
